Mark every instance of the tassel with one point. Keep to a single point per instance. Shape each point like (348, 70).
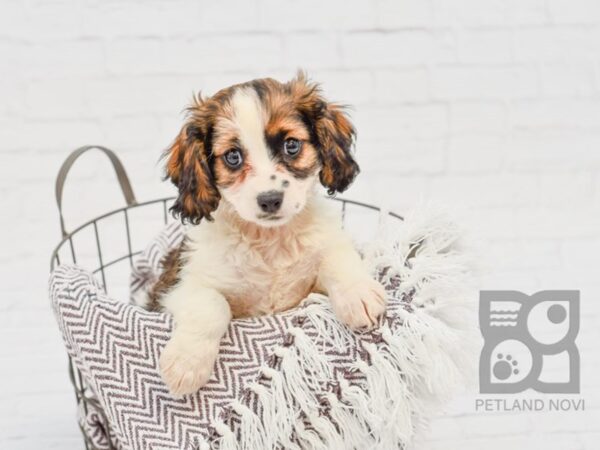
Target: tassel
(252, 432)
(227, 439)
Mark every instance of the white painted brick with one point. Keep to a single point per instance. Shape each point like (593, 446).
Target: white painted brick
(479, 117)
(12, 84)
(12, 56)
(12, 95)
(574, 11)
(590, 439)
(556, 44)
(83, 57)
(499, 189)
(457, 82)
(52, 98)
(556, 114)
(471, 12)
(574, 278)
(133, 18)
(550, 150)
(27, 21)
(13, 18)
(444, 428)
(511, 254)
(541, 223)
(485, 46)
(573, 421)
(400, 86)
(349, 87)
(477, 153)
(478, 425)
(62, 135)
(137, 56)
(397, 49)
(136, 132)
(311, 50)
(226, 16)
(141, 95)
(38, 164)
(567, 80)
(408, 157)
(203, 54)
(554, 441)
(565, 189)
(580, 252)
(530, 12)
(221, 53)
(290, 15)
(392, 14)
(515, 279)
(420, 122)
(491, 222)
(14, 145)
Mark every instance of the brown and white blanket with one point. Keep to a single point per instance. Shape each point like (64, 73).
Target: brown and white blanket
(294, 380)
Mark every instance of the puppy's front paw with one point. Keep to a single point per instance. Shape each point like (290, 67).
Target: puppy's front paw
(359, 304)
(186, 363)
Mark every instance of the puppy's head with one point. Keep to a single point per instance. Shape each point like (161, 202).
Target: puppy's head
(261, 146)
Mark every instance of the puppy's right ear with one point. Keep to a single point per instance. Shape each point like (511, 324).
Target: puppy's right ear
(333, 134)
(188, 167)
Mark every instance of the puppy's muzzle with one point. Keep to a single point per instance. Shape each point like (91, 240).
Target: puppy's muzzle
(270, 201)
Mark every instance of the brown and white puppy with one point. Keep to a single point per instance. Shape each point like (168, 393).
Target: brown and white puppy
(248, 160)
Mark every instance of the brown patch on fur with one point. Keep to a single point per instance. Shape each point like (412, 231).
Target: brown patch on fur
(190, 158)
(226, 136)
(188, 167)
(284, 121)
(332, 133)
(226, 177)
(241, 309)
(171, 265)
(306, 163)
(295, 109)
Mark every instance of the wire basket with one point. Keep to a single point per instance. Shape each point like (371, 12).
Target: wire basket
(108, 244)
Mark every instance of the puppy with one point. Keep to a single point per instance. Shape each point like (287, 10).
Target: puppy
(248, 160)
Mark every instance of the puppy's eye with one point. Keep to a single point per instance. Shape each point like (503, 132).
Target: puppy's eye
(291, 147)
(233, 159)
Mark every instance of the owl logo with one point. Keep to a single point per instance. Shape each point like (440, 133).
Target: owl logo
(529, 342)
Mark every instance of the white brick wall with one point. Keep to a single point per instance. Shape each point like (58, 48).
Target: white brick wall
(491, 107)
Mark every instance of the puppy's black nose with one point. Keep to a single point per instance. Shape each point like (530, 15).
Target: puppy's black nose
(270, 201)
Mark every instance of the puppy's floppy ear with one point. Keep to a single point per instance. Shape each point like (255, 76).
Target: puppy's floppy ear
(331, 131)
(189, 168)
(336, 135)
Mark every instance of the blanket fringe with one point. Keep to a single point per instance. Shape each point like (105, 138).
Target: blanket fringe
(418, 358)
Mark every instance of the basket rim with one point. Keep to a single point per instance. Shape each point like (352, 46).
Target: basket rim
(164, 200)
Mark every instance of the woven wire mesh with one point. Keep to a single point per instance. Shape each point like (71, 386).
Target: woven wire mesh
(109, 252)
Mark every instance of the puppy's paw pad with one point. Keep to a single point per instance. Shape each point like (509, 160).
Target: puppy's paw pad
(186, 368)
(359, 305)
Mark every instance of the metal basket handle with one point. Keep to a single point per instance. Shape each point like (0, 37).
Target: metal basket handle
(66, 166)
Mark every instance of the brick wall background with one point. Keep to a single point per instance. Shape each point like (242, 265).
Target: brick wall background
(489, 107)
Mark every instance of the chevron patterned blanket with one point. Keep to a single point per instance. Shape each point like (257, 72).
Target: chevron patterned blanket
(295, 380)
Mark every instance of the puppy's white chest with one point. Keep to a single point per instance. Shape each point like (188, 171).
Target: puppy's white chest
(273, 284)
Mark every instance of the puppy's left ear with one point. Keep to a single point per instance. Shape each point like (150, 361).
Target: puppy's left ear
(332, 132)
